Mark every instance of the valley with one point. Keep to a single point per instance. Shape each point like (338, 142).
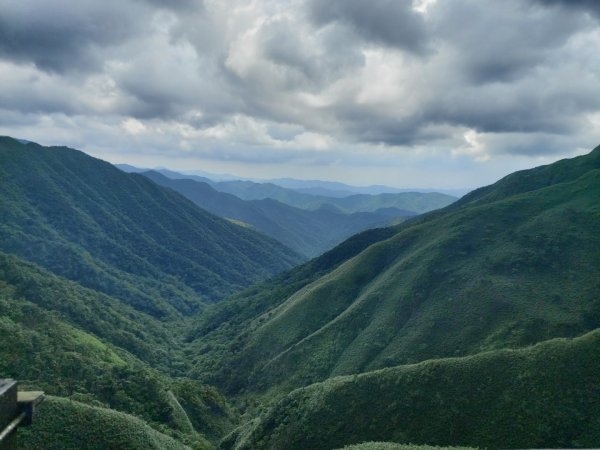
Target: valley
(161, 312)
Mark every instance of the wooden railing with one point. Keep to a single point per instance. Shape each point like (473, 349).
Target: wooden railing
(16, 409)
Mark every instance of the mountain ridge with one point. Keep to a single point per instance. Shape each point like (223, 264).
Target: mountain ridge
(455, 281)
(308, 232)
(86, 220)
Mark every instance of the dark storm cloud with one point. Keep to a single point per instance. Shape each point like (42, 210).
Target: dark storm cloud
(177, 5)
(390, 22)
(502, 41)
(309, 64)
(63, 35)
(591, 6)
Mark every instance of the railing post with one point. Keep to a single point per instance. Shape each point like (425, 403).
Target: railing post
(16, 409)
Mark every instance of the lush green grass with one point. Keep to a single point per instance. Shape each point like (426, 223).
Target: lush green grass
(545, 396)
(113, 321)
(217, 332)
(510, 266)
(393, 446)
(64, 424)
(306, 231)
(70, 341)
(123, 235)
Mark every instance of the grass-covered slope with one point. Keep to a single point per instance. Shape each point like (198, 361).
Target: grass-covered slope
(393, 446)
(221, 330)
(92, 312)
(67, 425)
(123, 235)
(518, 268)
(545, 396)
(308, 232)
(70, 341)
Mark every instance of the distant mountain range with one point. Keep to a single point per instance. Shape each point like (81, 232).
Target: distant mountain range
(313, 187)
(307, 222)
(308, 232)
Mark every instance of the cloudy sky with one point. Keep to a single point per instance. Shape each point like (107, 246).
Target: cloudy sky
(421, 93)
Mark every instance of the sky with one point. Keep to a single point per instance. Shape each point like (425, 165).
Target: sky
(421, 93)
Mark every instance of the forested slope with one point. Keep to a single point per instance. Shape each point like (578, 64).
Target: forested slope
(509, 271)
(123, 235)
(545, 396)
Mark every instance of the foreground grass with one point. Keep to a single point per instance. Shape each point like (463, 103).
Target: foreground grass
(544, 396)
(65, 424)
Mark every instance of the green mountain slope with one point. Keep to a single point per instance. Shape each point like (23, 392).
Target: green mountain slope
(508, 271)
(307, 232)
(65, 424)
(70, 341)
(123, 235)
(392, 446)
(545, 396)
(92, 312)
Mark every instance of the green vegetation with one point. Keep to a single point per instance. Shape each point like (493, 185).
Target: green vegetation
(65, 424)
(421, 333)
(487, 274)
(545, 396)
(70, 341)
(307, 232)
(392, 446)
(123, 235)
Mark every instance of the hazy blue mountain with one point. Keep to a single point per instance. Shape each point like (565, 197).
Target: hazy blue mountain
(416, 202)
(337, 189)
(313, 187)
(309, 232)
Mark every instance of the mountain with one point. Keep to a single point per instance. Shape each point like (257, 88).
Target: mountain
(336, 189)
(475, 325)
(77, 343)
(545, 396)
(416, 202)
(313, 187)
(309, 233)
(509, 265)
(393, 446)
(123, 235)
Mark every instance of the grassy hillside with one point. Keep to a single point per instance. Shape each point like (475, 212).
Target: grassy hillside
(545, 396)
(123, 235)
(64, 424)
(216, 333)
(309, 233)
(509, 271)
(393, 446)
(107, 318)
(69, 341)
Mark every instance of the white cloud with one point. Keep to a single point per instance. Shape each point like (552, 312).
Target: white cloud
(133, 126)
